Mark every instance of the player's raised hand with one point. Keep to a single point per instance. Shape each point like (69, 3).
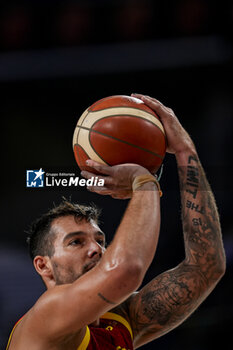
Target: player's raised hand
(177, 138)
(118, 179)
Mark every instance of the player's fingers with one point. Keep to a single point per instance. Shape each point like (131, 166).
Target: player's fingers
(141, 96)
(137, 95)
(151, 102)
(88, 175)
(103, 169)
(162, 111)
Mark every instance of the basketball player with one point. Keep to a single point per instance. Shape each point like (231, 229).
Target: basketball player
(91, 300)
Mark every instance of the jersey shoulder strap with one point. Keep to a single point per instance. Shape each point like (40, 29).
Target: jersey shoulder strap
(120, 319)
(11, 335)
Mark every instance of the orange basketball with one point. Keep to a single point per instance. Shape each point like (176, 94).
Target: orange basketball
(120, 129)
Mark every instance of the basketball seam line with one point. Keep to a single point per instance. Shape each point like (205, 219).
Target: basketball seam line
(89, 138)
(79, 132)
(134, 116)
(143, 110)
(115, 138)
(88, 154)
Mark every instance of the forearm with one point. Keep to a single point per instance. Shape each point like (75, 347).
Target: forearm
(201, 226)
(136, 238)
(171, 297)
(129, 255)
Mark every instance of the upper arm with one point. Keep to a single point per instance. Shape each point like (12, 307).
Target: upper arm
(166, 302)
(66, 309)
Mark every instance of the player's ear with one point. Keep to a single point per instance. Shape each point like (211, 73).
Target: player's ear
(43, 267)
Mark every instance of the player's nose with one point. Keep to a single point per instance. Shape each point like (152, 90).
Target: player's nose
(94, 250)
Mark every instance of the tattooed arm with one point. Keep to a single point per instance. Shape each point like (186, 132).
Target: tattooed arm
(172, 296)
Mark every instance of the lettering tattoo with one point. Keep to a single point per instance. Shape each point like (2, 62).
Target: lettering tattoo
(203, 234)
(197, 221)
(192, 159)
(192, 176)
(192, 192)
(172, 296)
(195, 207)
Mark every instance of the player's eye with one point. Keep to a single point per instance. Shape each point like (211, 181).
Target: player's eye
(101, 242)
(75, 242)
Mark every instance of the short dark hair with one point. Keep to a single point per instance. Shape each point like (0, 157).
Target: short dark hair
(40, 237)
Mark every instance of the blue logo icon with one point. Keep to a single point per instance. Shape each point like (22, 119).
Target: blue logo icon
(35, 178)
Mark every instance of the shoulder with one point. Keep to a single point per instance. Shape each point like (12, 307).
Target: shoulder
(39, 323)
(29, 330)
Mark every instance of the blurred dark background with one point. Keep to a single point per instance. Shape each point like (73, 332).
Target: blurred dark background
(57, 58)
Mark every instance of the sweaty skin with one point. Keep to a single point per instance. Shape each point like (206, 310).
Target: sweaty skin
(84, 280)
(171, 297)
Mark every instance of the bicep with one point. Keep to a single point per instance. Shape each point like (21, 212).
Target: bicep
(166, 302)
(66, 309)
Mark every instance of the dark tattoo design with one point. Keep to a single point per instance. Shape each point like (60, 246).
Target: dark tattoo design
(197, 221)
(105, 299)
(202, 236)
(192, 192)
(172, 296)
(166, 301)
(192, 158)
(195, 207)
(192, 180)
(192, 177)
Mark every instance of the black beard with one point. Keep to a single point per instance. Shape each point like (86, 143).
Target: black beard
(69, 276)
(64, 278)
